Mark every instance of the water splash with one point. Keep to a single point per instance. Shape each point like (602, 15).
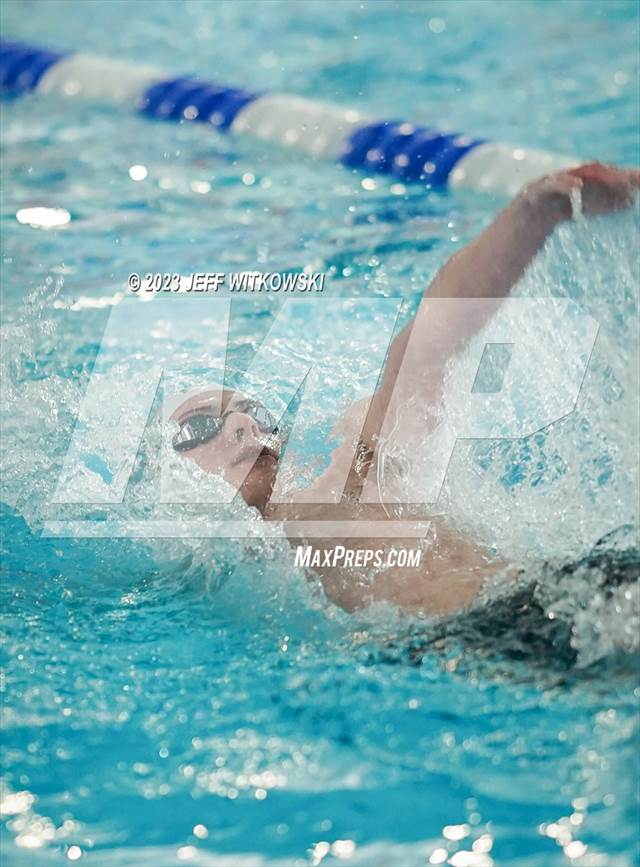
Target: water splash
(548, 498)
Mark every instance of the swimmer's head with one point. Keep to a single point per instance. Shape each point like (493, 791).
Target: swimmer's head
(233, 436)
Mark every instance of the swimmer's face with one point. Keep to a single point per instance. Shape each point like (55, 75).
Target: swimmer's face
(241, 453)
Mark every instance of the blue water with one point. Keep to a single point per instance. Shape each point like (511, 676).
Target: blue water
(195, 704)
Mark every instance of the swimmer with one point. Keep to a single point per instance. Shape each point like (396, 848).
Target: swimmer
(240, 442)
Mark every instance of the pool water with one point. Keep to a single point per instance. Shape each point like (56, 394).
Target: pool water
(199, 702)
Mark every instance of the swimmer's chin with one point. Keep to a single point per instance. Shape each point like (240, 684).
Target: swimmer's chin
(266, 454)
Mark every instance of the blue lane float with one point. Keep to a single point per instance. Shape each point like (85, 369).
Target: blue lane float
(188, 99)
(22, 67)
(408, 152)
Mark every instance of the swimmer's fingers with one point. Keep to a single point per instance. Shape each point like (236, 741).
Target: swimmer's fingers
(602, 173)
(562, 183)
(554, 195)
(593, 188)
(605, 188)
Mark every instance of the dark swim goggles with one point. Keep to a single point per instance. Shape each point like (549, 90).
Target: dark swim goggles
(201, 427)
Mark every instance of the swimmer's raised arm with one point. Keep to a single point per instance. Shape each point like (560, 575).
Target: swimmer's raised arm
(489, 267)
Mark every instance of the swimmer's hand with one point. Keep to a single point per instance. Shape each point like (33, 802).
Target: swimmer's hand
(488, 267)
(590, 189)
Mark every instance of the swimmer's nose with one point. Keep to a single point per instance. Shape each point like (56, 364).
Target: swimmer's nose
(241, 430)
